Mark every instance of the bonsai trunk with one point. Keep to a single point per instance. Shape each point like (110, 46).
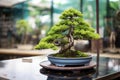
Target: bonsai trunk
(71, 42)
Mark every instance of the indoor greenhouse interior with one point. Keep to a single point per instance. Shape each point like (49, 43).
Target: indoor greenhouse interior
(24, 24)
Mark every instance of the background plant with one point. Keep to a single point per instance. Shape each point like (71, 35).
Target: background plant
(23, 28)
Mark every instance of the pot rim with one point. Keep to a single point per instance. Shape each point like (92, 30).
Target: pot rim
(50, 56)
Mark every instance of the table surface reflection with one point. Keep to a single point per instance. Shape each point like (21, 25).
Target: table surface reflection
(28, 68)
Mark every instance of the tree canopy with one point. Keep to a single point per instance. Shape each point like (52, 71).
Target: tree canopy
(71, 27)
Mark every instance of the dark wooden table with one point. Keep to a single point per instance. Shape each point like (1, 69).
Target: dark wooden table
(28, 68)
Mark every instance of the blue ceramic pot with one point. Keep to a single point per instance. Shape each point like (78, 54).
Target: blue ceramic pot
(59, 61)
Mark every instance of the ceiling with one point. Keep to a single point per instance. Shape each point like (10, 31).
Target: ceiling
(10, 3)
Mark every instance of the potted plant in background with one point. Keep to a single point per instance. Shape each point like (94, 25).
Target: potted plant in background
(62, 35)
(23, 30)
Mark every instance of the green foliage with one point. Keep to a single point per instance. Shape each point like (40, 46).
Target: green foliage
(115, 5)
(69, 19)
(45, 45)
(23, 26)
(51, 38)
(81, 54)
(47, 39)
(84, 31)
(71, 54)
(70, 13)
(57, 29)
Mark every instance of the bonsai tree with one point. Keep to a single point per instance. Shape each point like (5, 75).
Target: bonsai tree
(70, 27)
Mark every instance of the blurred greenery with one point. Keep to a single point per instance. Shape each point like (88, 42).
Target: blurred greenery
(23, 27)
(23, 30)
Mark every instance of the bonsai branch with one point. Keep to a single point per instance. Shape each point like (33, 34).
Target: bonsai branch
(68, 46)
